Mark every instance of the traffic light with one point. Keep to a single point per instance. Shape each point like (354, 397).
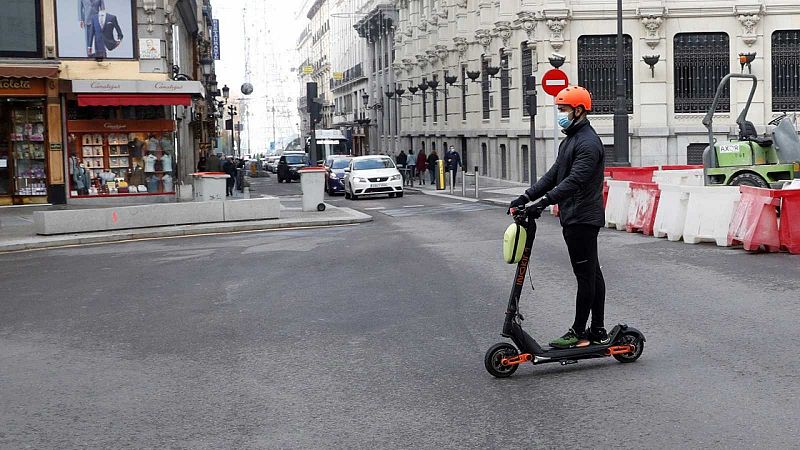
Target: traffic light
(314, 107)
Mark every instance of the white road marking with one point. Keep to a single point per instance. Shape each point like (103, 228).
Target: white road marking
(375, 208)
(413, 206)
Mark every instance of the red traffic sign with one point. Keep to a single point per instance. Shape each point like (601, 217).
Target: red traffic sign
(554, 80)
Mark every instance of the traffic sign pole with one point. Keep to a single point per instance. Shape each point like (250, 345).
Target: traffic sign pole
(553, 81)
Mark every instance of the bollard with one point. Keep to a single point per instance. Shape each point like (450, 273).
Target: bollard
(464, 185)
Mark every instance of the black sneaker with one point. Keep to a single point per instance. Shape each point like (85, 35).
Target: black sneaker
(597, 336)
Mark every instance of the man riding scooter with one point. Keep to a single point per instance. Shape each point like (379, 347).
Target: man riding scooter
(575, 184)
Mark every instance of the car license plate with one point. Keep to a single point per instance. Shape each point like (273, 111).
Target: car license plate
(377, 185)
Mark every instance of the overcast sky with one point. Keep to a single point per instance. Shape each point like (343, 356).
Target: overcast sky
(270, 29)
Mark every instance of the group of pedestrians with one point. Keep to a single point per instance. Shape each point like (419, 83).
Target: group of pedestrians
(417, 165)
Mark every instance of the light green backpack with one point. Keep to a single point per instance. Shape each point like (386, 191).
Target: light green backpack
(514, 243)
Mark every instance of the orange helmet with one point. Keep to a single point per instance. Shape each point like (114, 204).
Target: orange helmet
(575, 96)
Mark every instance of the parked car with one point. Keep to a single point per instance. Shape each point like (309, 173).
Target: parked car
(288, 164)
(369, 175)
(334, 171)
(271, 164)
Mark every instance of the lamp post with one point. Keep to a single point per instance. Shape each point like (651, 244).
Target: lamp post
(621, 153)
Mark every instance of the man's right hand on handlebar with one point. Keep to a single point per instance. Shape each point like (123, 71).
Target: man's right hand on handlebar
(518, 203)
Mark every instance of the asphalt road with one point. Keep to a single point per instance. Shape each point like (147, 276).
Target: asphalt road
(373, 336)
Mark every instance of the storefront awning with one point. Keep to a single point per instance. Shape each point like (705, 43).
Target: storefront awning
(134, 99)
(28, 72)
(139, 87)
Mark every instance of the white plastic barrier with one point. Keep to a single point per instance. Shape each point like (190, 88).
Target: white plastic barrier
(689, 177)
(671, 213)
(312, 183)
(209, 186)
(795, 184)
(619, 199)
(709, 213)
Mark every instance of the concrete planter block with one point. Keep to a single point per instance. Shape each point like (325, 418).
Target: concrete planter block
(125, 217)
(252, 209)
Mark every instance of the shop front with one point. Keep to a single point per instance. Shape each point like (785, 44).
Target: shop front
(31, 169)
(122, 140)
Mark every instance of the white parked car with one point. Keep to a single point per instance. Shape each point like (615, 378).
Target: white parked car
(371, 175)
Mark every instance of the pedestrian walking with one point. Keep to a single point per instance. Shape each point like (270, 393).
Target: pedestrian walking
(422, 163)
(453, 161)
(411, 164)
(433, 165)
(401, 159)
(575, 184)
(229, 167)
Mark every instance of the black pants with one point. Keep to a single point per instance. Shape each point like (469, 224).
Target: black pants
(582, 246)
(229, 185)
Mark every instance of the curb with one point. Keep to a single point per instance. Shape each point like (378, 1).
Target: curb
(51, 242)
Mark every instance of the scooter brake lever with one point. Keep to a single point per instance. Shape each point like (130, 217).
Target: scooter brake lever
(520, 316)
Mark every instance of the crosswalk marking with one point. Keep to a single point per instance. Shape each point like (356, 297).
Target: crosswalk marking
(413, 206)
(374, 208)
(440, 209)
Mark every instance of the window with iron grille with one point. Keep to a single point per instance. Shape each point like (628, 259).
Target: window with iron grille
(505, 85)
(786, 70)
(694, 152)
(435, 95)
(701, 61)
(485, 86)
(527, 69)
(597, 70)
(464, 92)
(424, 104)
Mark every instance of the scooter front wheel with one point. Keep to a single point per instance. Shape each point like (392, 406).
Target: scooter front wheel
(493, 361)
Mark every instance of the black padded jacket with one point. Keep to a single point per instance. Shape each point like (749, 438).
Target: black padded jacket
(575, 182)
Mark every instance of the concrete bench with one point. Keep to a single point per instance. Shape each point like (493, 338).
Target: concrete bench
(154, 215)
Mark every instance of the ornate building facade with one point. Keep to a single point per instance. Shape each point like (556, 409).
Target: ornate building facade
(451, 72)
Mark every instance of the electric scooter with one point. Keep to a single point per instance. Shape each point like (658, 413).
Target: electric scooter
(625, 343)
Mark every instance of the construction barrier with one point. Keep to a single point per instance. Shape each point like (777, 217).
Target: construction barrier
(790, 220)
(755, 222)
(709, 213)
(618, 202)
(671, 215)
(689, 177)
(642, 208)
(636, 174)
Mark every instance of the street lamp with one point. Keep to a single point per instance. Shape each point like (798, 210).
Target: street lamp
(226, 92)
(205, 64)
(621, 152)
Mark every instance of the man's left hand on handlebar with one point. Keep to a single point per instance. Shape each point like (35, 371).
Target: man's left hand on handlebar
(523, 199)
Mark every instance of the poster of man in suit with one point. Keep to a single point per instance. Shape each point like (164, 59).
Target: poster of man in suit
(97, 29)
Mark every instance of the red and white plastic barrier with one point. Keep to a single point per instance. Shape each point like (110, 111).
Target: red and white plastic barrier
(642, 208)
(755, 223)
(671, 214)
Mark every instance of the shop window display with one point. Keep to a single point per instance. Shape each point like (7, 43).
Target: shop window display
(22, 150)
(122, 163)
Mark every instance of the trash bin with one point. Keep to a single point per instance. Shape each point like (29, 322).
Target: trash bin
(312, 183)
(209, 186)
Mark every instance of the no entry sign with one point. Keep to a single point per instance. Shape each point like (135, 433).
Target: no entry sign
(554, 80)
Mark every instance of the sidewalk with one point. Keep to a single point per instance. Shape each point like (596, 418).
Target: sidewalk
(17, 230)
(490, 190)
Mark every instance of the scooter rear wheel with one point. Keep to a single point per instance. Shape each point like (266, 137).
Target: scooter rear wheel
(493, 361)
(636, 341)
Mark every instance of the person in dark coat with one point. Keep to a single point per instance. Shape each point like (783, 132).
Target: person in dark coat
(229, 167)
(575, 184)
(422, 162)
(283, 170)
(214, 164)
(452, 162)
(433, 166)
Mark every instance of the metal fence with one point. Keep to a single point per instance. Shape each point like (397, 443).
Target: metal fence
(786, 70)
(597, 70)
(701, 61)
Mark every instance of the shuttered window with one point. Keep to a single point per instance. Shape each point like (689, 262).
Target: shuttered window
(597, 70)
